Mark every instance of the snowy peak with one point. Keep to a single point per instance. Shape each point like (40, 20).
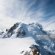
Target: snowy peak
(13, 27)
(21, 29)
(37, 28)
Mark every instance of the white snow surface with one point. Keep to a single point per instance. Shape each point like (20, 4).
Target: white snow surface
(13, 46)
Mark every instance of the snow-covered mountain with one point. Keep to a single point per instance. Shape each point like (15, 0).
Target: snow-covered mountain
(20, 37)
(22, 30)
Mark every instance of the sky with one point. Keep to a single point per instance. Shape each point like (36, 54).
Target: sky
(27, 11)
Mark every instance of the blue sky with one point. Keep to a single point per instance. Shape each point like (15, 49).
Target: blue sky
(27, 11)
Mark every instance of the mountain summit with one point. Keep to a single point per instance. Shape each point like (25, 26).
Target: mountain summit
(22, 30)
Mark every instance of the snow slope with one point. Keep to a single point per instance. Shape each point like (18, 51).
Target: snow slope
(15, 46)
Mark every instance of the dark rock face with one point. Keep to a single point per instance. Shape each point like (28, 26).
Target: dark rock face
(10, 32)
(35, 50)
(41, 50)
(13, 28)
(21, 32)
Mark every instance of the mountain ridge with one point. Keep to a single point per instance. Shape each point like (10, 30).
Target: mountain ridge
(26, 29)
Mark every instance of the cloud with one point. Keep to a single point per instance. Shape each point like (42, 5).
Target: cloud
(49, 24)
(27, 11)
